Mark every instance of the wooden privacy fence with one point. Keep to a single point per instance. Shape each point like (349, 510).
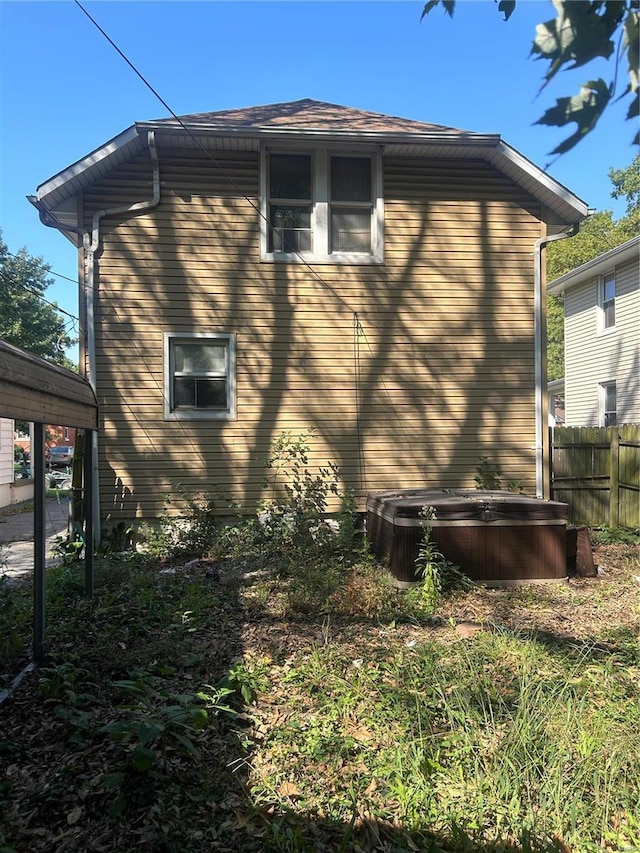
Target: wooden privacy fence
(596, 470)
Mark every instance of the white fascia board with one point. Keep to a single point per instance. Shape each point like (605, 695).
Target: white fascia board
(321, 134)
(83, 168)
(618, 255)
(71, 180)
(544, 181)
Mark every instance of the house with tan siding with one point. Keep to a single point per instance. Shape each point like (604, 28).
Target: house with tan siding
(601, 384)
(308, 266)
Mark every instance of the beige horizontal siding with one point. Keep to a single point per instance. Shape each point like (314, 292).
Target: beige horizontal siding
(628, 329)
(445, 350)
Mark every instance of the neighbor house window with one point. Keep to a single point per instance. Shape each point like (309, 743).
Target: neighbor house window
(608, 404)
(199, 376)
(322, 206)
(608, 301)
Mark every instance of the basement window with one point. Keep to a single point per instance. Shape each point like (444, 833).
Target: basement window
(322, 206)
(199, 376)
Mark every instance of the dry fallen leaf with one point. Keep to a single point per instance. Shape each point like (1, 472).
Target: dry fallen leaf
(74, 815)
(468, 629)
(289, 789)
(372, 786)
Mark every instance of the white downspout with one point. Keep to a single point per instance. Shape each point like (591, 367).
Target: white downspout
(91, 244)
(541, 413)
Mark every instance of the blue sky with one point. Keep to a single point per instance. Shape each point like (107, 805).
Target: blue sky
(64, 90)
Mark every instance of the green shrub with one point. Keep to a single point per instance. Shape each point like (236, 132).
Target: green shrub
(434, 573)
(603, 535)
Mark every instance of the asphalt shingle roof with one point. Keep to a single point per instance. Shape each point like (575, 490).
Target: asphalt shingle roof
(311, 115)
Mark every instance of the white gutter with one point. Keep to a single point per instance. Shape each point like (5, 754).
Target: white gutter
(91, 244)
(541, 413)
(461, 137)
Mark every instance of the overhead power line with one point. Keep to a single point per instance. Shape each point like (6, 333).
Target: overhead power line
(358, 329)
(37, 295)
(206, 151)
(49, 271)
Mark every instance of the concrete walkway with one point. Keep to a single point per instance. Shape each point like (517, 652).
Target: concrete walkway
(16, 536)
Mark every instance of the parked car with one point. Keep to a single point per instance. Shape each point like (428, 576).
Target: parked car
(60, 457)
(58, 480)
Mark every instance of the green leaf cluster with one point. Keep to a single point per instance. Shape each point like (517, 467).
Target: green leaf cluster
(582, 31)
(27, 320)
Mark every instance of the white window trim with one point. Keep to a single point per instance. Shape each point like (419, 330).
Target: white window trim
(320, 205)
(602, 329)
(602, 399)
(228, 414)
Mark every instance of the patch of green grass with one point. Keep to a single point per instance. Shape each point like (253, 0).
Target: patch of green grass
(369, 730)
(496, 740)
(615, 536)
(27, 506)
(278, 693)
(141, 679)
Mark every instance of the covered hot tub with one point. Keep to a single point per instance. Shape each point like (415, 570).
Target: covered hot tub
(494, 537)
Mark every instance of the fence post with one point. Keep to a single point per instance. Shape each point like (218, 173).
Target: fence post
(614, 480)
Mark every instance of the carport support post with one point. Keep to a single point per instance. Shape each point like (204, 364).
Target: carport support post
(89, 536)
(39, 541)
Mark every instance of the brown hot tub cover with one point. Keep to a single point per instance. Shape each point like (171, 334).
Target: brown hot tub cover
(493, 536)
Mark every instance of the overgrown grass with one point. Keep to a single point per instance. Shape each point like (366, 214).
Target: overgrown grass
(501, 741)
(183, 707)
(276, 692)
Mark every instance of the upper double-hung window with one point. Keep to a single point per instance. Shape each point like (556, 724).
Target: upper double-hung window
(322, 206)
(290, 203)
(608, 302)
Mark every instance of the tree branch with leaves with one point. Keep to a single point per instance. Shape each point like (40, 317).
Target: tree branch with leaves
(27, 319)
(581, 32)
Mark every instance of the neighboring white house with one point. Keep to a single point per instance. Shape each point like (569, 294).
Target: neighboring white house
(12, 491)
(602, 338)
(6, 461)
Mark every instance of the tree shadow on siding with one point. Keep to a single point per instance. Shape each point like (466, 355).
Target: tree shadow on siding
(155, 269)
(362, 397)
(437, 416)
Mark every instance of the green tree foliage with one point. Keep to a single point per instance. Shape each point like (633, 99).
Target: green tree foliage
(27, 320)
(626, 184)
(580, 32)
(555, 338)
(598, 234)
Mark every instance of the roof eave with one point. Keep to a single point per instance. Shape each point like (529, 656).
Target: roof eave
(67, 183)
(575, 206)
(57, 187)
(268, 132)
(489, 145)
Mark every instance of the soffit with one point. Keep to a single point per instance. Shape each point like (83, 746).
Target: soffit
(396, 138)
